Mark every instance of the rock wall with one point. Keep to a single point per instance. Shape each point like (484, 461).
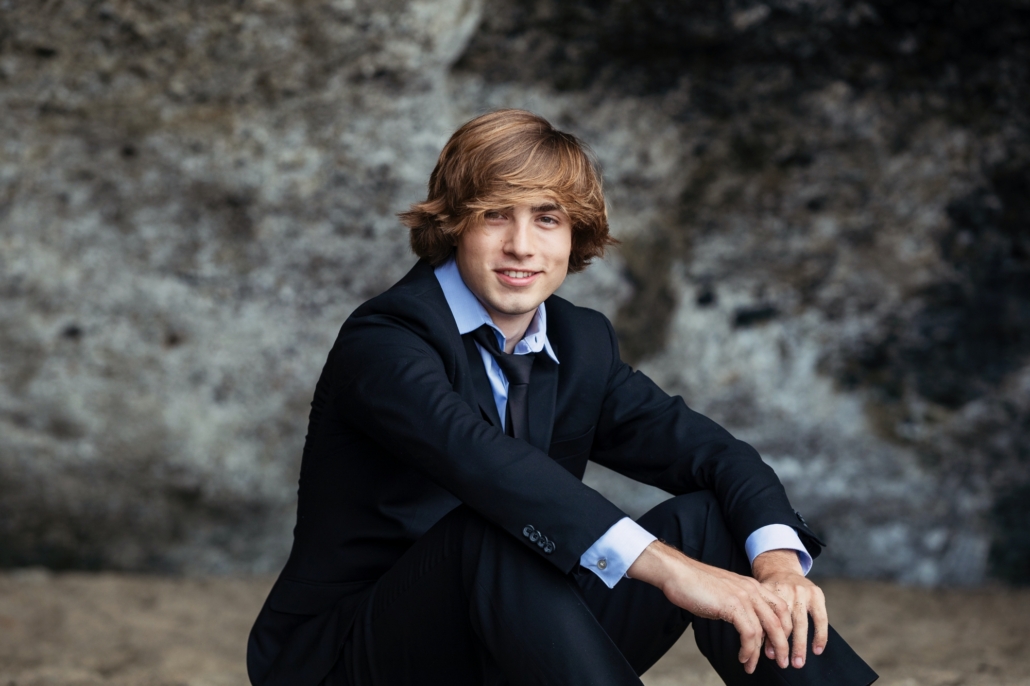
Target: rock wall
(195, 196)
(822, 207)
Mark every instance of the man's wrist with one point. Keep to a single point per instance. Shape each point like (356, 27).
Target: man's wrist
(773, 562)
(646, 566)
(777, 537)
(657, 564)
(616, 550)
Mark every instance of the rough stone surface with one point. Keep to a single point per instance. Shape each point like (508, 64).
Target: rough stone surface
(825, 247)
(195, 196)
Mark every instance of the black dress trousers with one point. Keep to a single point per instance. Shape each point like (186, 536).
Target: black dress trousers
(468, 604)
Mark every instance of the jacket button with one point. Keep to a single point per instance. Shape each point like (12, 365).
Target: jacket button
(527, 531)
(549, 548)
(800, 518)
(602, 564)
(535, 536)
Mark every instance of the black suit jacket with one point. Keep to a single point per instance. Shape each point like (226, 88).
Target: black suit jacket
(403, 428)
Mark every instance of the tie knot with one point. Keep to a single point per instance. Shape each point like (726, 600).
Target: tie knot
(515, 367)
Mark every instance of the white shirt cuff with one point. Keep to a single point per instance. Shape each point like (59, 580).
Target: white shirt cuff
(777, 537)
(616, 551)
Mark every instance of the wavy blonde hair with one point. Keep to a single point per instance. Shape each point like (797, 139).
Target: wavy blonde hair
(498, 160)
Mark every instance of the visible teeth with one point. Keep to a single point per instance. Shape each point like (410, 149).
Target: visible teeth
(516, 275)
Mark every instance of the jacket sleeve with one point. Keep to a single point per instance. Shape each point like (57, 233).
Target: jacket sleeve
(654, 438)
(395, 389)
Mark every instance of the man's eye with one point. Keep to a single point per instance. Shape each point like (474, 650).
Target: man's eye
(494, 215)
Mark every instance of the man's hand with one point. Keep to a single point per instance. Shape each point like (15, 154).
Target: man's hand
(780, 572)
(755, 611)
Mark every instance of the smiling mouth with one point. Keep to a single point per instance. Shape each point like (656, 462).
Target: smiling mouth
(516, 273)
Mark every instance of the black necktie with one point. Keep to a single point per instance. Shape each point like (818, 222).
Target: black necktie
(516, 368)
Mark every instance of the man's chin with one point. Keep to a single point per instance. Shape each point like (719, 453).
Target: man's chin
(515, 309)
(518, 311)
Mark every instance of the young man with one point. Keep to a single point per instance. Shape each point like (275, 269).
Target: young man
(444, 535)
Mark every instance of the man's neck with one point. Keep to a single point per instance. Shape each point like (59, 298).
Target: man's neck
(513, 326)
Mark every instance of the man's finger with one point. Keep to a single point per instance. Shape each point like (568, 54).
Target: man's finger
(800, 634)
(773, 629)
(782, 608)
(787, 620)
(819, 618)
(747, 625)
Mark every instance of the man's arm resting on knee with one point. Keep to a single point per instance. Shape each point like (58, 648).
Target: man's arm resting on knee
(759, 608)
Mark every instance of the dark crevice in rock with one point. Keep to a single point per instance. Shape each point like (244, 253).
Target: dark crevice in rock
(72, 332)
(972, 331)
(1010, 550)
(706, 296)
(642, 322)
(754, 315)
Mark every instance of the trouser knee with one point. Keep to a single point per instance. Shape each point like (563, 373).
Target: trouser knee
(693, 523)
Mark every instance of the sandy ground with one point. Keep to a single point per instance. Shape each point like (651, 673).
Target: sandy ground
(88, 629)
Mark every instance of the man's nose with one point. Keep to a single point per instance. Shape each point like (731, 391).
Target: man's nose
(520, 238)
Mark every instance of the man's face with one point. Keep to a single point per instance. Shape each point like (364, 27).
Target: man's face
(516, 257)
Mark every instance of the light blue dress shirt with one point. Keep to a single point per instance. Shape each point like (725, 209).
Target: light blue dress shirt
(612, 554)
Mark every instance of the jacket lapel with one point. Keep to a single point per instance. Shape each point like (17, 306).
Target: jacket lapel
(484, 394)
(421, 281)
(543, 384)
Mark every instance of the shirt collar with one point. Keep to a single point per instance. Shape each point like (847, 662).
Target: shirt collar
(469, 313)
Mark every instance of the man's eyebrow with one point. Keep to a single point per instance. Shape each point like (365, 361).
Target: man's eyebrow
(547, 207)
